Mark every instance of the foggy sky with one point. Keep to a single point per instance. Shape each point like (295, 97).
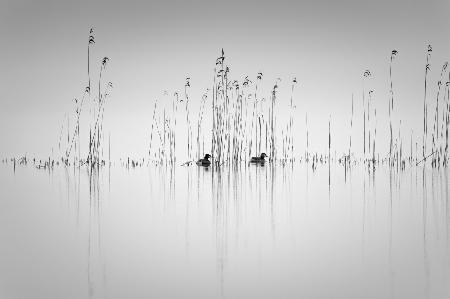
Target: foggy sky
(154, 46)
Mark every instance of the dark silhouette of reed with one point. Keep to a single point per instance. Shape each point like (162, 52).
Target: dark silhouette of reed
(90, 42)
(245, 122)
(96, 132)
(391, 104)
(425, 108)
(366, 75)
(436, 138)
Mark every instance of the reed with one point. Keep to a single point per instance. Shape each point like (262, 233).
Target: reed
(245, 122)
(446, 121)
(307, 140)
(374, 160)
(95, 151)
(95, 157)
(366, 74)
(369, 100)
(425, 112)
(437, 149)
(291, 120)
(152, 130)
(329, 139)
(75, 140)
(200, 120)
(188, 122)
(273, 150)
(391, 104)
(91, 41)
(351, 130)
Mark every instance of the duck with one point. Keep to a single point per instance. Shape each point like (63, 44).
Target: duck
(259, 159)
(205, 161)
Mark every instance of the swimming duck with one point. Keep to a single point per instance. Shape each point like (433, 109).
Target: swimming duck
(259, 159)
(205, 161)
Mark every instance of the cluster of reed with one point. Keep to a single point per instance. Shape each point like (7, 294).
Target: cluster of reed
(439, 135)
(244, 123)
(162, 147)
(370, 124)
(95, 154)
(46, 164)
(441, 120)
(397, 156)
(288, 132)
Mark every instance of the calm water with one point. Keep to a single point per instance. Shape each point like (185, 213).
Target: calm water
(259, 232)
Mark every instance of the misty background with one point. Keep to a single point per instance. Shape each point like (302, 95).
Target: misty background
(153, 46)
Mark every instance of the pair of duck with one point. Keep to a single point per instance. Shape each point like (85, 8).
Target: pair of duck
(205, 161)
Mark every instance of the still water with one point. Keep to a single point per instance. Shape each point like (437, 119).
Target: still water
(254, 232)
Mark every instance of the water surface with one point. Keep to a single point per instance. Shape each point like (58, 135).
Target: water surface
(252, 232)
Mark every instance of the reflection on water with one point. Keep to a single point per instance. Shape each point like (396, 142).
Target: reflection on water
(258, 231)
